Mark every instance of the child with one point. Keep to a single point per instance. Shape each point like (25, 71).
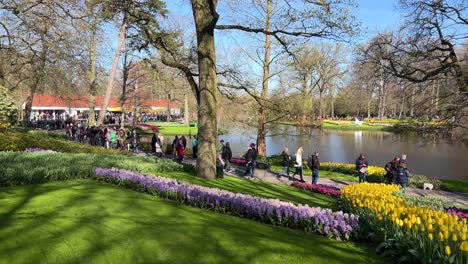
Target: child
(403, 175)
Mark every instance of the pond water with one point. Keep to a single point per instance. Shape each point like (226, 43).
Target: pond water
(432, 157)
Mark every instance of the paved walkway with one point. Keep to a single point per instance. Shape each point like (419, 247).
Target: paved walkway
(270, 176)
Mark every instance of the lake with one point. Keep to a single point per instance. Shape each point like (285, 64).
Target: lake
(434, 157)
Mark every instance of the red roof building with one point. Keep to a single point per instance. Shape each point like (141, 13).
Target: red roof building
(76, 104)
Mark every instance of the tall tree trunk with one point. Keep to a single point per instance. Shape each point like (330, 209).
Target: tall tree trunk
(38, 76)
(115, 63)
(381, 96)
(305, 99)
(436, 107)
(413, 93)
(2, 72)
(169, 101)
(320, 103)
(205, 16)
(28, 107)
(261, 133)
(92, 73)
(384, 102)
(402, 107)
(123, 98)
(434, 84)
(332, 103)
(186, 110)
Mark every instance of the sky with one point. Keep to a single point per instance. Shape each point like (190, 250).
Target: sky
(375, 15)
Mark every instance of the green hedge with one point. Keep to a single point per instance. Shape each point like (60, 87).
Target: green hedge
(21, 168)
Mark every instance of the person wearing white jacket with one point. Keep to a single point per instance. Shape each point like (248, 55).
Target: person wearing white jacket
(298, 164)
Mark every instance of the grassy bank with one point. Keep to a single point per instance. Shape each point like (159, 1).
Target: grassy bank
(172, 128)
(456, 186)
(351, 126)
(87, 221)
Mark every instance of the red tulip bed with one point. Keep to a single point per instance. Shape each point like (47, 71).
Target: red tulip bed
(319, 188)
(148, 127)
(242, 162)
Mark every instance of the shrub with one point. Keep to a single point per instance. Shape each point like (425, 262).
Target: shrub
(21, 168)
(8, 109)
(418, 181)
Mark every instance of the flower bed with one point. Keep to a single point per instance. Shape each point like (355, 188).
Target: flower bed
(374, 174)
(242, 162)
(406, 232)
(463, 213)
(147, 127)
(319, 188)
(336, 225)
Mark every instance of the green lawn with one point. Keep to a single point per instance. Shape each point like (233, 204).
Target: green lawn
(84, 221)
(170, 128)
(456, 186)
(259, 188)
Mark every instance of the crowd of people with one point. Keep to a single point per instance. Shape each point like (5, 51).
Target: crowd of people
(104, 136)
(117, 138)
(50, 120)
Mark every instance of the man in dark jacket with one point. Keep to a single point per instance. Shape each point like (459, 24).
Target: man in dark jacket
(314, 165)
(226, 155)
(250, 158)
(391, 169)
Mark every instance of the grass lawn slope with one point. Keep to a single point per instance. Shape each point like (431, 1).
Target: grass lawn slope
(172, 128)
(84, 221)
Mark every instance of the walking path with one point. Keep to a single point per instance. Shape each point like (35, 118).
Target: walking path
(270, 176)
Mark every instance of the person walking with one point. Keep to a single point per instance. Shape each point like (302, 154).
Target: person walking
(194, 147)
(361, 167)
(250, 158)
(314, 165)
(174, 145)
(134, 140)
(159, 145)
(403, 176)
(285, 162)
(226, 155)
(184, 141)
(219, 151)
(112, 138)
(180, 151)
(298, 164)
(153, 143)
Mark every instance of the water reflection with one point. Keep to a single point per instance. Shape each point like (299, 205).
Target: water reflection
(429, 156)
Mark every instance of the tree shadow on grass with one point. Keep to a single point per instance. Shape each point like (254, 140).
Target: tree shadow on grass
(91, 222)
